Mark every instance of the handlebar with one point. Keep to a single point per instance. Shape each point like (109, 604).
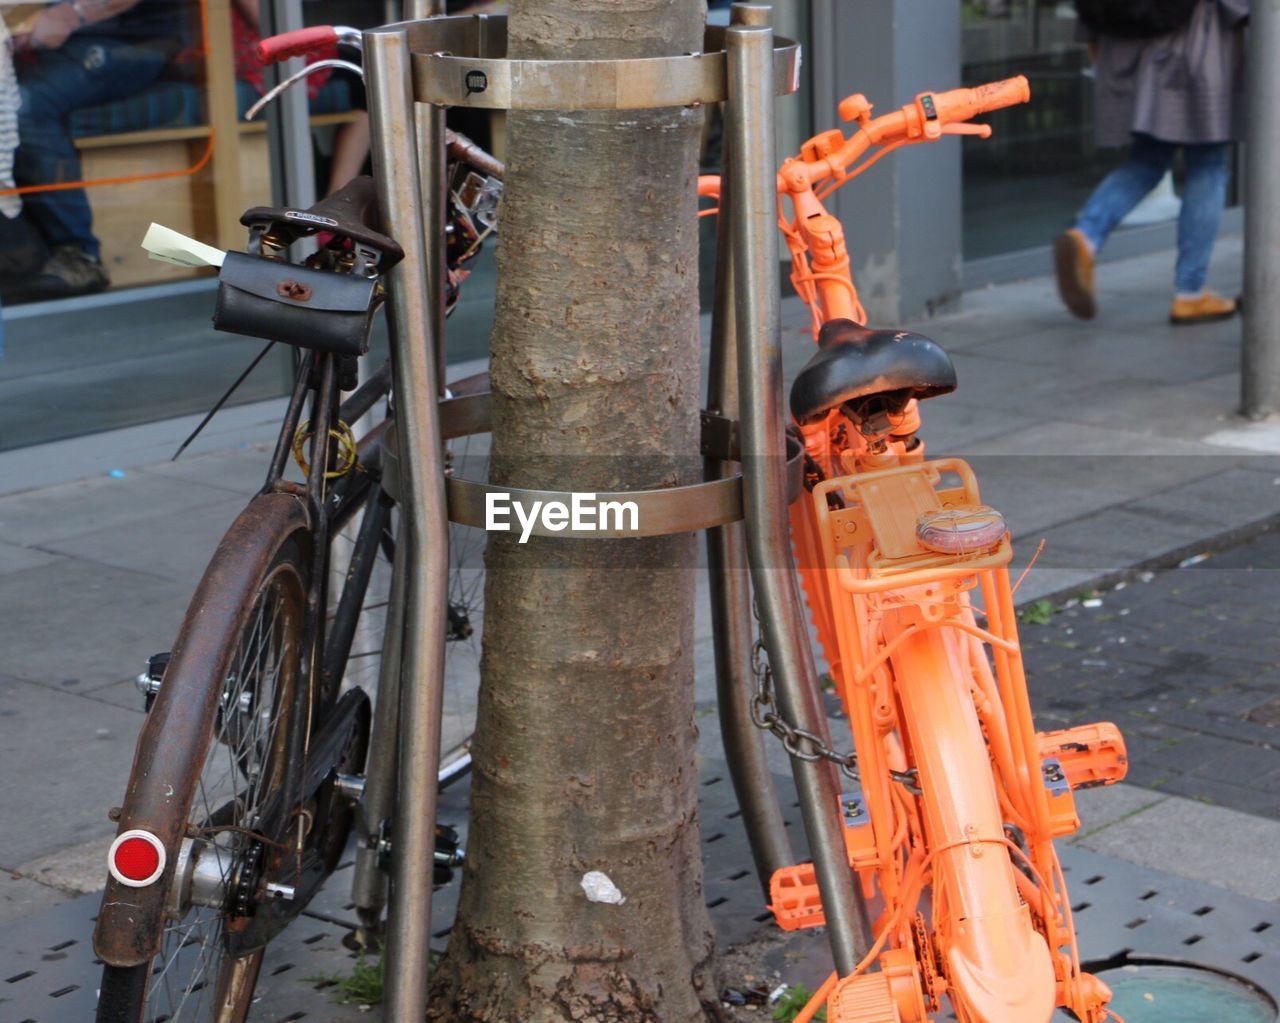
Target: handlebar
(302, 42)
(932, 115)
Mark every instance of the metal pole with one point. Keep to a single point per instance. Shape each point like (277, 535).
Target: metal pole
(1260, 367)
(749, 131)
(293, 173)
(731, 592)
(416, 10)
(415, 297)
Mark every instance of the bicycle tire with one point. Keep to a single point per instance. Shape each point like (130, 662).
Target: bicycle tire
(234, 702)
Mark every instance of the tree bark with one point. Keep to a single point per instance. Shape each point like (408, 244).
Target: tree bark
(585, 738)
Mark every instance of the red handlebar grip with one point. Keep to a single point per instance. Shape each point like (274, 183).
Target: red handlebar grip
(297, 43)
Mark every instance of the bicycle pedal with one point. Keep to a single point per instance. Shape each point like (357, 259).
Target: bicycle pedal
(794, 898)
(867, 998)
(1089, 755)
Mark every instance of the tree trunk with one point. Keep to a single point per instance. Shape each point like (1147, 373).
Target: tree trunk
(585, 738)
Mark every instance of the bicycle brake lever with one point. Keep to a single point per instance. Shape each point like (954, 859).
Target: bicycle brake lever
(983, 131)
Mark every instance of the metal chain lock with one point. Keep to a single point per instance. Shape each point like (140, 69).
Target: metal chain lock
(765, 716)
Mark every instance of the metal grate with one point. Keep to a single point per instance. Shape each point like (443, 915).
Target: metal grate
(48, 973)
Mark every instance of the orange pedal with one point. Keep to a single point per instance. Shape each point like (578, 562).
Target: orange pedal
(1090, 755)
(794, 898)
(866, 998)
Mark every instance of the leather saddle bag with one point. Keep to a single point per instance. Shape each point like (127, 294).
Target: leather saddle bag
(313, 309)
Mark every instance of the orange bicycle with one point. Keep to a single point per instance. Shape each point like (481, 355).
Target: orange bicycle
(956, 799)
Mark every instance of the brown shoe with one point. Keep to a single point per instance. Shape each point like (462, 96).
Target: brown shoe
(1203, 308)
(1073, 263)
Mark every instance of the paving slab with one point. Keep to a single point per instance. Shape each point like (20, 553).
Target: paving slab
(40, 517)
(1061, 438)
(14, 558)
(81, 624)
(952, 426)
(148, 444)
(20, 898)
(1190, 839)
(240, 470)
(1060, 352)
(1262, 437)
(75, 870)
(68, 760)
(1193, 410)
(176, 546)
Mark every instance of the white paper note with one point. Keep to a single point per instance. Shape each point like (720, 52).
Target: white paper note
(170, 246)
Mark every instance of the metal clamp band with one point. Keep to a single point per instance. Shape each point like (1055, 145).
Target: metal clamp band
(684, 509)
(460, 61)
(652, 512)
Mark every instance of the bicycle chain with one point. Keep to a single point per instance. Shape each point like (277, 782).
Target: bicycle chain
(765, 716)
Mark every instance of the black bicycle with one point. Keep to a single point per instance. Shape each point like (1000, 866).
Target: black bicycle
(262, 747)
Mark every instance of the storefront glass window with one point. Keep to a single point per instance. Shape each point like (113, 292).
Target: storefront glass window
(1022, 186)
(126, 121)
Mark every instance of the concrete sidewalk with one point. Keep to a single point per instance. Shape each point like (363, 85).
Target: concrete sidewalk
(1115, 441)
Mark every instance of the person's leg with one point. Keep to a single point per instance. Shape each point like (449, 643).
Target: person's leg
(84, 71)
(350, 150)
(1122, 189)
(46, 154)
(1204, 194)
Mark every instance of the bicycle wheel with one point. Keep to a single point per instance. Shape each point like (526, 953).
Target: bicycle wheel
(231, 779)
(371, 593)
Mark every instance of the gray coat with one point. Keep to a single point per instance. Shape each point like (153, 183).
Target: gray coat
(1187, 86)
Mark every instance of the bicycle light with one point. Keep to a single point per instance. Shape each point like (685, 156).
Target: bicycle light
(136, 858)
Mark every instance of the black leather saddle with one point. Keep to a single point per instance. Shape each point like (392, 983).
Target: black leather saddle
(855, 362)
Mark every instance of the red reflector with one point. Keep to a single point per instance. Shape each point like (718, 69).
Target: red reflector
(136, 859)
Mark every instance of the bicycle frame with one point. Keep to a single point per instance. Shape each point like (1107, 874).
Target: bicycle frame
(959, 794)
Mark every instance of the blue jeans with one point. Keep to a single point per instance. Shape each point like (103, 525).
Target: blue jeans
(1204, 194)
(85, 71)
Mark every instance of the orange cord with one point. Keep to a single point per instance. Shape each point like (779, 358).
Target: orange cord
(865, 165)
(1030, 565)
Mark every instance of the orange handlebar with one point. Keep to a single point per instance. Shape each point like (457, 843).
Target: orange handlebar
(932, 115)
(935, 114)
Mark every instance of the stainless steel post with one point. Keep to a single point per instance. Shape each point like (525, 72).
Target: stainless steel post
(415, 10)
(731, 592)
(293, 174)
(368, 885)
(424, 522)
(1260, 367)
(749, 132)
